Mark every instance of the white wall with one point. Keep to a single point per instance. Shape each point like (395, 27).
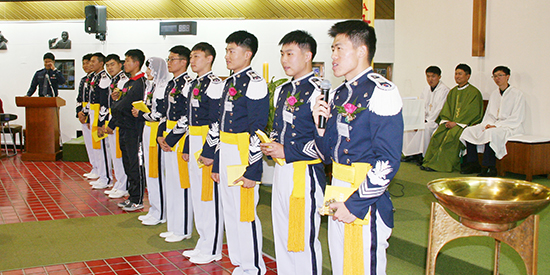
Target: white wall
(28, 43)
(434, 32)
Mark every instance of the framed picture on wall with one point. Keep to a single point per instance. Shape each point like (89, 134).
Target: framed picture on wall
(384, 69)
(319, 69)
(66, 67)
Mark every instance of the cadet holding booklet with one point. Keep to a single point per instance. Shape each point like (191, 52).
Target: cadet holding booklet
(244, 109)
(298, 183)
(130, 128)
(363, 140)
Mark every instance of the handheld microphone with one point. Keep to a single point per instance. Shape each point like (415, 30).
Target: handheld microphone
(325, 88)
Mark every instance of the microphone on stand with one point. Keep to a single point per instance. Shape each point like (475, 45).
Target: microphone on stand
(325, 88)
(45, 84)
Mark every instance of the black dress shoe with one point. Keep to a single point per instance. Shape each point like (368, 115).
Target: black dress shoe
(427, 169)
(418, 159)
(407, 159)
(471, 168)
(490, 171)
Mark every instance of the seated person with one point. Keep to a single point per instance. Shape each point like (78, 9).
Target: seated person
(415, 142)
(464, 107)
(503, 119)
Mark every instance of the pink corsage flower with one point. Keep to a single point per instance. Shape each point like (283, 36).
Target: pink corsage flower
(233, 93)
(291, 100)
(350, 108)
(174, 92)
(197, 92)
(349, 111)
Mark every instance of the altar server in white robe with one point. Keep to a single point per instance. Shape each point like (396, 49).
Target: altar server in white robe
(503, 119)
(415, 142)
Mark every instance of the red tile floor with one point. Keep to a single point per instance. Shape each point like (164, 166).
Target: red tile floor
(38, 191)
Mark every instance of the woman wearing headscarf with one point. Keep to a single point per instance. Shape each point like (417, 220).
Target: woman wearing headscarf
(158, 77)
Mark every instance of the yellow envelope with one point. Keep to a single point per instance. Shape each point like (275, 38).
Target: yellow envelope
(234, 172)
(197, 155)
(140, 105)
(265, 139)
(334, 194)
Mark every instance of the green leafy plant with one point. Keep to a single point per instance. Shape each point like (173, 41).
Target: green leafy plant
(271, 86)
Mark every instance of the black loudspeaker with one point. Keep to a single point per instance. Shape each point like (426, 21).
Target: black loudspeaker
(96, 19)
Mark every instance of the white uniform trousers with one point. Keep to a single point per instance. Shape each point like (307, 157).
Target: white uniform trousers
(310, 260)
(244, 239)
(416, 142)
(179, 210)
(155, 190)
(118, 167)
(102, 157)
(208, 214)
(374, 263)
(87, 134)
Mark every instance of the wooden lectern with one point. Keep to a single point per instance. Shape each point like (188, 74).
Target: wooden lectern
(42, 124)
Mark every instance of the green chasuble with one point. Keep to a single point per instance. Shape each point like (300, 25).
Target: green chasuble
(463, 106)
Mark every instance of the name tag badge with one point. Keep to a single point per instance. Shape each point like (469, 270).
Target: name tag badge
(343, 129)
(195, 102)
(288, 117)
(228, 106)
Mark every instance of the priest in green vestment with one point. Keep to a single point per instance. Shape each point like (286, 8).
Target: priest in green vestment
(463, 108)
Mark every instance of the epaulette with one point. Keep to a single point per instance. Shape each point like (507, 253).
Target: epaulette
(381, 82)
(104, 80)
(316, 81)
(385, 99)
(214, 79)
(187, 78)
(254, 76)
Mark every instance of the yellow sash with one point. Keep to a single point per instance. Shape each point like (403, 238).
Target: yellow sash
(182, 164)
(118, 151)
(95, 138)
(296, 213)
(242, 141)
(353, 232)
(207, 182)
(153, 149)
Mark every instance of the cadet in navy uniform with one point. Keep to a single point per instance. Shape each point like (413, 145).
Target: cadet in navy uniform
(47, 79)
(298, 249)
(81, 103)
(118, 79)
(364, 130)
(158, 77)
(244, 109)
(130, 128)
(204, 99)
(173, 125)
(97, 107)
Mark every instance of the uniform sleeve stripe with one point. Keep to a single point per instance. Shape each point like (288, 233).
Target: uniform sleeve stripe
(253, 158)
(310, 150)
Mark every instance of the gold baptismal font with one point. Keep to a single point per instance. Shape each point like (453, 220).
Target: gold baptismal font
(487, 207)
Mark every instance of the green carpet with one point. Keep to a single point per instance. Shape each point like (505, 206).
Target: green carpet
(24, 245)
(75, 150)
